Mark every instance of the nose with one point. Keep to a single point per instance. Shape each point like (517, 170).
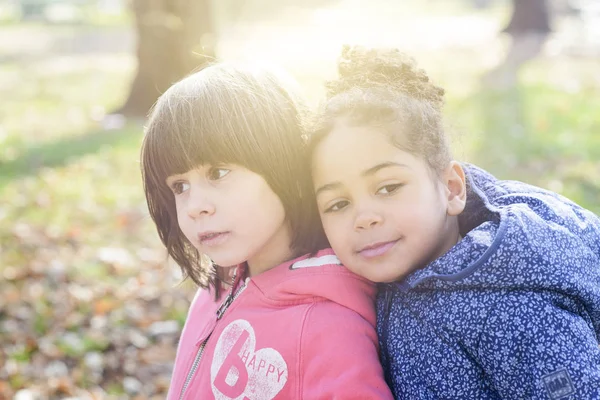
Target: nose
(367, 219)
(199, 203)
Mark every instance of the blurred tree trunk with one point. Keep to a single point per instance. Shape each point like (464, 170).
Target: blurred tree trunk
(529, 16)
(174, 37)
(529, 27)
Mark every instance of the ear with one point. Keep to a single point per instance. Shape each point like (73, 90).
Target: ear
(456, 188)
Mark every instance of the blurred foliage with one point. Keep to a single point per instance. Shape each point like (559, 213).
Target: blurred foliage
(538, 134)
(80, 12)
(89, 308)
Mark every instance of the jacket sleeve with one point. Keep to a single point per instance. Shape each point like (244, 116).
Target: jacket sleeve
(339, 356)
(541, 346)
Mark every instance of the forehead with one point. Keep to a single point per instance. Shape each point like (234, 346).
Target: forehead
(344, 139)
(349, 150)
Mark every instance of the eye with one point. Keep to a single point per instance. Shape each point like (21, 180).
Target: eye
(214, 173)
(389, 189)
(179, 187)
(337, 206)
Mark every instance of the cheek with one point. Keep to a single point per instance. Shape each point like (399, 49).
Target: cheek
(180, 213)
(278, 213)
(336, 234)
(415, 222)
(266, 209)
(183, 219)
(183, 222)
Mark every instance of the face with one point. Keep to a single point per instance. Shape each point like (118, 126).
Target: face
(231, 214)
(383, 210)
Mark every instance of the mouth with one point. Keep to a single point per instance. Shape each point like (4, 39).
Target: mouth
(376, 249)
(212, 238)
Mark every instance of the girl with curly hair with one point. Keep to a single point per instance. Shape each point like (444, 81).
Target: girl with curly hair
(489, 289)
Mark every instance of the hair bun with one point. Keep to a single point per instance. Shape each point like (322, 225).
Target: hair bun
(367, 68)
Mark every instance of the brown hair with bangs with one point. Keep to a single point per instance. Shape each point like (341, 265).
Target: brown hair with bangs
(246, 115)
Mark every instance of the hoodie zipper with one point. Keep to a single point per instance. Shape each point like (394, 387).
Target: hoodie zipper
(194, 367)
(220, 311)
(230, 298)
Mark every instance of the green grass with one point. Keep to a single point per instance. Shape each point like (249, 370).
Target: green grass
(57, 97)
(538, 134)
(69, 187)
(85, 14)
(68, 183)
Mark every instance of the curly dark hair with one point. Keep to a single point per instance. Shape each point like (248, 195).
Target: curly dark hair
(384, 88)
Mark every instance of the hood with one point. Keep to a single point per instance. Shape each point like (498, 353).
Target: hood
(518, 237)
(318, 276)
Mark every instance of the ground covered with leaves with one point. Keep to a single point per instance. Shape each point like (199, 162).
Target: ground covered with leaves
(90, 307)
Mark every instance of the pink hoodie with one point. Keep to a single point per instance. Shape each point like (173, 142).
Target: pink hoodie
(302, 330)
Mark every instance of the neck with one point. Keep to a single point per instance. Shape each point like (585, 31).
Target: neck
(453, 236)
(274, 253)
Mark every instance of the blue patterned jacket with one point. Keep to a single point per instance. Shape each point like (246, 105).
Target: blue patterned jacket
(510, 312)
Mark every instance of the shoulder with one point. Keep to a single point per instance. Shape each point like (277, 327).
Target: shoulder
(312, 275)
(322, 258)
(331, 325)
(535, 316)
(339, 355)
(324, 265)
(202, 312)
(326, 314)
(329, 328)
(531, 336)
(202, 298)
(335, 325)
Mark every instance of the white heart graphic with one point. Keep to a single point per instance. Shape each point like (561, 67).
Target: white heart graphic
(240, 372)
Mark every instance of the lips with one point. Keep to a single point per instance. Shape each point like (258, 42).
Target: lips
(211, 238)
(376, 249)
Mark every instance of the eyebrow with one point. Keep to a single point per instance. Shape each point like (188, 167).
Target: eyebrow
(329, 186)
(388, 164)
(368, 172)
(171, 178)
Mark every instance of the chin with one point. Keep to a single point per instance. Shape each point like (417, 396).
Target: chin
(387, 277)
(225, 261)
(379, 279)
